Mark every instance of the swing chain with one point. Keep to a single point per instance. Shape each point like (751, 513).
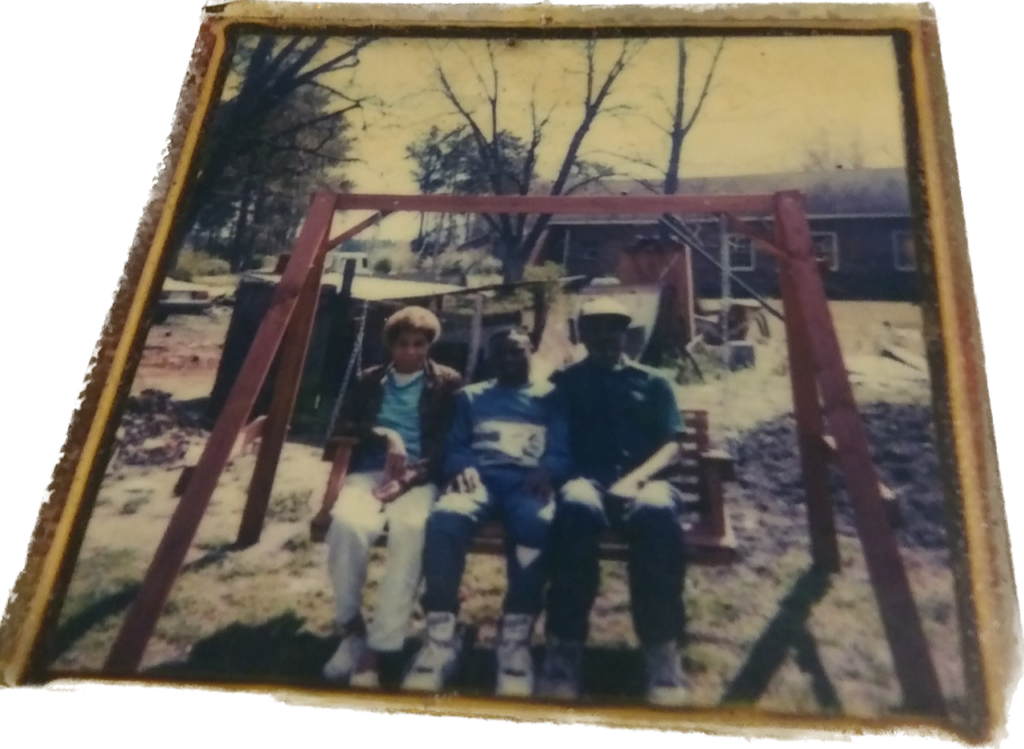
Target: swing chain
(355, 363)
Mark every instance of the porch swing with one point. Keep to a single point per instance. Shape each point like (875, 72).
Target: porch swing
(822, 395)
(690, 464)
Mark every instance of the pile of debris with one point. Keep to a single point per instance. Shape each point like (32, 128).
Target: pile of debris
(155, 430)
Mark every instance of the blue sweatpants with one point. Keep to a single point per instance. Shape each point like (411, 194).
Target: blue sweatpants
(650, 526)
(454, 521)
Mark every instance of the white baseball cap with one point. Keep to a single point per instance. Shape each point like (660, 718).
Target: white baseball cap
(604, 306)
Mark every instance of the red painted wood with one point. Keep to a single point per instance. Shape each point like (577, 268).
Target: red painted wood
(286, 390)
(339, 471)
(361, 226)
(558, 204)
(807, 410)
(141, 619)
(760, 238)
(900, 618)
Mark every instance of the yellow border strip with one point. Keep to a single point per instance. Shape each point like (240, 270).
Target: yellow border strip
(966, 407)
(16, 668)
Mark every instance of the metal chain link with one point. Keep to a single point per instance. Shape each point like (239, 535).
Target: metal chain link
(355, 363)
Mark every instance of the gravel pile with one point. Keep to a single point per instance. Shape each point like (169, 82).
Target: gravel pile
(155, 430)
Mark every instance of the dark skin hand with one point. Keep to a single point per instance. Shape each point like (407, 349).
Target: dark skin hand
(510, 355)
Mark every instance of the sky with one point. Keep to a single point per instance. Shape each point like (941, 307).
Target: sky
(773, 101)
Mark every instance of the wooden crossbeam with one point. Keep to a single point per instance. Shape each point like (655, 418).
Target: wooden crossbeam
(560, 204)
(755, 235)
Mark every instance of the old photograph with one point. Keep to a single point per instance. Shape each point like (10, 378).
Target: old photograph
(574, 368)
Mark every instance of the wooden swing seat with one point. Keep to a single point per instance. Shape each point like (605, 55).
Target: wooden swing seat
(699, 474)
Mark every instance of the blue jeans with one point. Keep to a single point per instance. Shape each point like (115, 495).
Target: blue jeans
(455, 519)
(650, 527)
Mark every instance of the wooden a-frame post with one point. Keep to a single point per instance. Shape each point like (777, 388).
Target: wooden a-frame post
(815, 334)
(286, 388)
(140, 622)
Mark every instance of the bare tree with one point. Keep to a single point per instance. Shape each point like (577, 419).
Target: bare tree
(509, 163)
(676, 119)
(280, 132)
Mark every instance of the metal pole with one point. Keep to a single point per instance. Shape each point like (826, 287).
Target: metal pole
(723, 248)
(669, 222)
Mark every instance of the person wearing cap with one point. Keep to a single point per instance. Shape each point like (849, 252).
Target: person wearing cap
(400, 413)
(620, 415)
(506, 455)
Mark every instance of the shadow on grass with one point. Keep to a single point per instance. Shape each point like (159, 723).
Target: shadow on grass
(787, 632)
(69, 632)
(280, 651)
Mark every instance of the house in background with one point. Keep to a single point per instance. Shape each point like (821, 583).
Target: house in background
(860, 222)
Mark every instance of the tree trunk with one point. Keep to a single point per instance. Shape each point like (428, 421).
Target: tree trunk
(241, 230)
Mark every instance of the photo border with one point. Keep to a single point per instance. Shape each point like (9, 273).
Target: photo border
(979, 544)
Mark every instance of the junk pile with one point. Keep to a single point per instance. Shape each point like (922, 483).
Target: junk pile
(155, 430)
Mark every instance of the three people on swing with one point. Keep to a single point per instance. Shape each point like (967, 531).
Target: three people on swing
(557, 462)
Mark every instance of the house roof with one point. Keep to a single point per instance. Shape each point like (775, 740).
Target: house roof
(839, 192)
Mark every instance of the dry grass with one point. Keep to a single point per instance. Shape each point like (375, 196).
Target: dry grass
(760, 630)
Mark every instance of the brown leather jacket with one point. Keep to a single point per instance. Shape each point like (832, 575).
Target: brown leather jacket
(359, 408)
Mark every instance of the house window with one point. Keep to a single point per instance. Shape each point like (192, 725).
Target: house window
(904, 255)
(826, 247)
(741, 252)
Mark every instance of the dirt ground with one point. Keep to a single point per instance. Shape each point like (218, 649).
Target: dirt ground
(766, 630)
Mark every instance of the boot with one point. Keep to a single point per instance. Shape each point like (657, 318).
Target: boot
(515, 664)
(437, 660)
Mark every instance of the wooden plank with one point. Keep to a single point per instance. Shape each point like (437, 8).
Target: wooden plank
(360, 227)
(807, 409)
(755, 235)
(286, 391)
(912, 658)
(139, 623)
(560, 204)
(833, 451)
(251, 433)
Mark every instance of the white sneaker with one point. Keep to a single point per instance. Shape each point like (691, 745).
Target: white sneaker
(560, 676)
(365, 675)
(515, 664)
(667, 685)
(343, 662)
(437, 660)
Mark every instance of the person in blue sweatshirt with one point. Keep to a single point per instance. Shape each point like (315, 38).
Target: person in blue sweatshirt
(506, 456)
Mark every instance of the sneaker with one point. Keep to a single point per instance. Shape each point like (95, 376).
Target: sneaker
(349, 652)
(515, 664)
(365, 675)
(437, 660)
(667, 685)
(560, 674)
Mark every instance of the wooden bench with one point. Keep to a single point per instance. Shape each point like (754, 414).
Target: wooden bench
(700, 474)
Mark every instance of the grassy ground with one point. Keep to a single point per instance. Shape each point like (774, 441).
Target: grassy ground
(764, 630)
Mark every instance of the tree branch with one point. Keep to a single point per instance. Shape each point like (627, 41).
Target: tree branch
(349, 58)
(707, 86)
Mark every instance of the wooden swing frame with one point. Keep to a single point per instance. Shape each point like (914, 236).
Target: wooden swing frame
(820, 384)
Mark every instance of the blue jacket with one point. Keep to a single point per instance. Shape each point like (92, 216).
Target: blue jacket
(618, 418)
(497, 427)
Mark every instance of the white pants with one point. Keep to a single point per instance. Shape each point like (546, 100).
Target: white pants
(358, 520)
